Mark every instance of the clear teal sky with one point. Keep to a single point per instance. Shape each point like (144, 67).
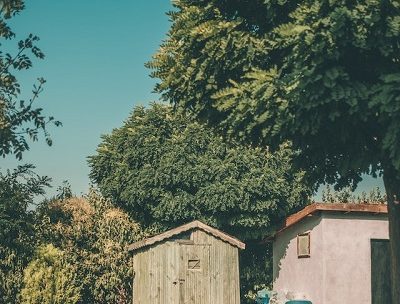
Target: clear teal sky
(94, 67)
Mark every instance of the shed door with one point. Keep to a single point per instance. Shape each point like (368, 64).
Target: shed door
(195, 283)
(380, 272)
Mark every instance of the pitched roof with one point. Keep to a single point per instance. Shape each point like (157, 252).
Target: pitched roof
(337, 207)
(190, 226)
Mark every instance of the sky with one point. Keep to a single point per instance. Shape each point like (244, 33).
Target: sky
(94, 66)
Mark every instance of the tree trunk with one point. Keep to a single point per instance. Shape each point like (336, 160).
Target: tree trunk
(391, 179)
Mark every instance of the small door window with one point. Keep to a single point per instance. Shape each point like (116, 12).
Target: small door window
(194, 264)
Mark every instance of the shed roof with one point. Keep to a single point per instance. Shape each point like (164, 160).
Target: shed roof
(328, 207)
(189, 226)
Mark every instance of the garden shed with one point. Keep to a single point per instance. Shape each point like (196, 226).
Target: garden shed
(334, 253)
(191, 264)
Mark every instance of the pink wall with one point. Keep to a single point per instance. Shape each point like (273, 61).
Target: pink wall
(304, 275)
(339, 269)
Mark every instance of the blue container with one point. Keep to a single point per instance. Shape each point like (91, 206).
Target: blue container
(298, 302)
(262, 297)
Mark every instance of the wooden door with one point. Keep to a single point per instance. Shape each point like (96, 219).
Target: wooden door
(195, 283)
(380, 272)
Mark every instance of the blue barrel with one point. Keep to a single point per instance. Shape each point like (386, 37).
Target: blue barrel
(298, 302)
(262, 297)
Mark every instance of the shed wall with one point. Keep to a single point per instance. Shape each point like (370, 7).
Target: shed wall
(157, 268)
(224, 269)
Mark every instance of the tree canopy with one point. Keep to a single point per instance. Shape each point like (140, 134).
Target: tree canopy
(324, 75)
(167, 169)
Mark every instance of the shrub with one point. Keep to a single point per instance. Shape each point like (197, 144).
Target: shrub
(50, 279)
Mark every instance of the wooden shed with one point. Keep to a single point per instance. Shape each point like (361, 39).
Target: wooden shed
(191, 264)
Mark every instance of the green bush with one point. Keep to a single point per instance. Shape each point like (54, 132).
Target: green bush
(17, 240)
(50, 279)
(12, 264)
(94, 235)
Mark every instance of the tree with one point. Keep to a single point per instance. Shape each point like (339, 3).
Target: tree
(166, 170)
(345, 195)
(324, 75)
(17, 189)
(93, 234)
(18, 122)
(18, 119)
(50, 279)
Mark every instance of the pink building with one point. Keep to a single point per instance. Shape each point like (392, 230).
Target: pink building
(334, 253)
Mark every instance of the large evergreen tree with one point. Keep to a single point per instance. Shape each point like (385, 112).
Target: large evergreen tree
(167, 169)
(323, 74)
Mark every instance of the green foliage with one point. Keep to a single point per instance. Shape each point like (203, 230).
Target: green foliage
(165, 169)
(18, 119)
(345, 195)
(50, 279)
(322, 74)
(17, 189)
(93, 235)
(12, 265)
(64, 191)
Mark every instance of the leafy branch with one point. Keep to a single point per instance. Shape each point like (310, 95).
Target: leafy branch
(19, 121)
